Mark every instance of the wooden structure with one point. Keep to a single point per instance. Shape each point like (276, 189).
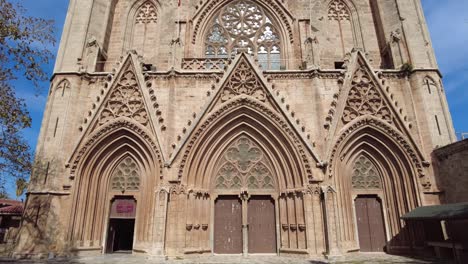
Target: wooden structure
(442, 229)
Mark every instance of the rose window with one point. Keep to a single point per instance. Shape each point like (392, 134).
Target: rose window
(243, 25)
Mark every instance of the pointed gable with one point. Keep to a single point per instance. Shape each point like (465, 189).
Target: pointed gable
(122, 97)
(125, 100)
(363, 94)
(245, 84)
(365, 98)
(243, 80)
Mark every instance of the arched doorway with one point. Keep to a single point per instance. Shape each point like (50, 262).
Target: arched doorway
(245, 151)
(124, 188)
(372, 164)
(370, 223)
(244, 223)
(367, 186)
(121, 231)
(113, 163)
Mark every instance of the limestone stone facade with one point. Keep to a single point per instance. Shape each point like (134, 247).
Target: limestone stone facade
(241, 126)
(452, 168)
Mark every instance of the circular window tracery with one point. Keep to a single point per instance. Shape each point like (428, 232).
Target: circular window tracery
(244, 25)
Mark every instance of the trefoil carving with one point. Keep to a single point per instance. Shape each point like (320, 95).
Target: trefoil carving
(338, 11)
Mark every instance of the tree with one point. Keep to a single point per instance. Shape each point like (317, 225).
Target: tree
(24, 42)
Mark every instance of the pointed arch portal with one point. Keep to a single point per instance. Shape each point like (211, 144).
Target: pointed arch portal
(371, 171)
(117, 163)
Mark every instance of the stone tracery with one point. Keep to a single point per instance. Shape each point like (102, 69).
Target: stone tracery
(244, 165)
(126, 176)
(365, 175)
(365, 99)
(338, 11)
(146, 14)
(125, 100)
(243, 25)
(243, 81)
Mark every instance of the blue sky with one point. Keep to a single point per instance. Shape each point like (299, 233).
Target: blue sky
(448, 25)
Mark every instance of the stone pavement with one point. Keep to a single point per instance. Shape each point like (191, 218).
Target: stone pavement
(267, 259)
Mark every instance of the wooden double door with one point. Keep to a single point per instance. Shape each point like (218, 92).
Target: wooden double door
(236, 233)
(370, 224)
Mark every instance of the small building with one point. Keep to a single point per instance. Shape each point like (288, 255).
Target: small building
(10, 218)
(440, 230)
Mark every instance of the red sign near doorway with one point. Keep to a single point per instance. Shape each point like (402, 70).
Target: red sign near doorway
(123, 208)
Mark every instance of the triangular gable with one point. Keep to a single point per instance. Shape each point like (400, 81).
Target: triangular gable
(123, 98)
(245, 79)
(363, 94)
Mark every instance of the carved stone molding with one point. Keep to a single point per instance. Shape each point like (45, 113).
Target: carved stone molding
(243, 81)
(146, 14)
(107, 129)
(389, 131)
(260, 107)
(209, 6)
(125, 100)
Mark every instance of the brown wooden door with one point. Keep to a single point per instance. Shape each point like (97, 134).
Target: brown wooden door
(261, 223)
(370, 223)
(228, 225)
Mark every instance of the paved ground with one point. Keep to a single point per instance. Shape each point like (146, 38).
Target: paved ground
(128, 259)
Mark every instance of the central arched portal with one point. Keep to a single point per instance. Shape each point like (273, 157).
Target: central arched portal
(244, 223)
(250, 168)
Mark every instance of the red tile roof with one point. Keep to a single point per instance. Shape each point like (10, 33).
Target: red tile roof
(11, 207)
(9, 202)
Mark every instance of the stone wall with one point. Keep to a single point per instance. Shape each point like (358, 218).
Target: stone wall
(452, 166)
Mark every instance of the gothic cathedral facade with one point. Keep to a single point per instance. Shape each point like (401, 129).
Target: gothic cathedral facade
(299, 127)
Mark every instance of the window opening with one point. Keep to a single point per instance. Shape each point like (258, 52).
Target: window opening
(244, 26)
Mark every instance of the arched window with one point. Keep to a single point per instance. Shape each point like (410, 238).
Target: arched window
(244, 25)
(365, 175)
(145, 30)
(63, 87)
(126, 177)
(340, 32)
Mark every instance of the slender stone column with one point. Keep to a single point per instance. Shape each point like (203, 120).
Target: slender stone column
(159, 223)
(333, 249)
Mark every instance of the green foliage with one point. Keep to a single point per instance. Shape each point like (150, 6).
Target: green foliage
(21, 186)
(4, 195)
(407, 68)
(24, 49)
